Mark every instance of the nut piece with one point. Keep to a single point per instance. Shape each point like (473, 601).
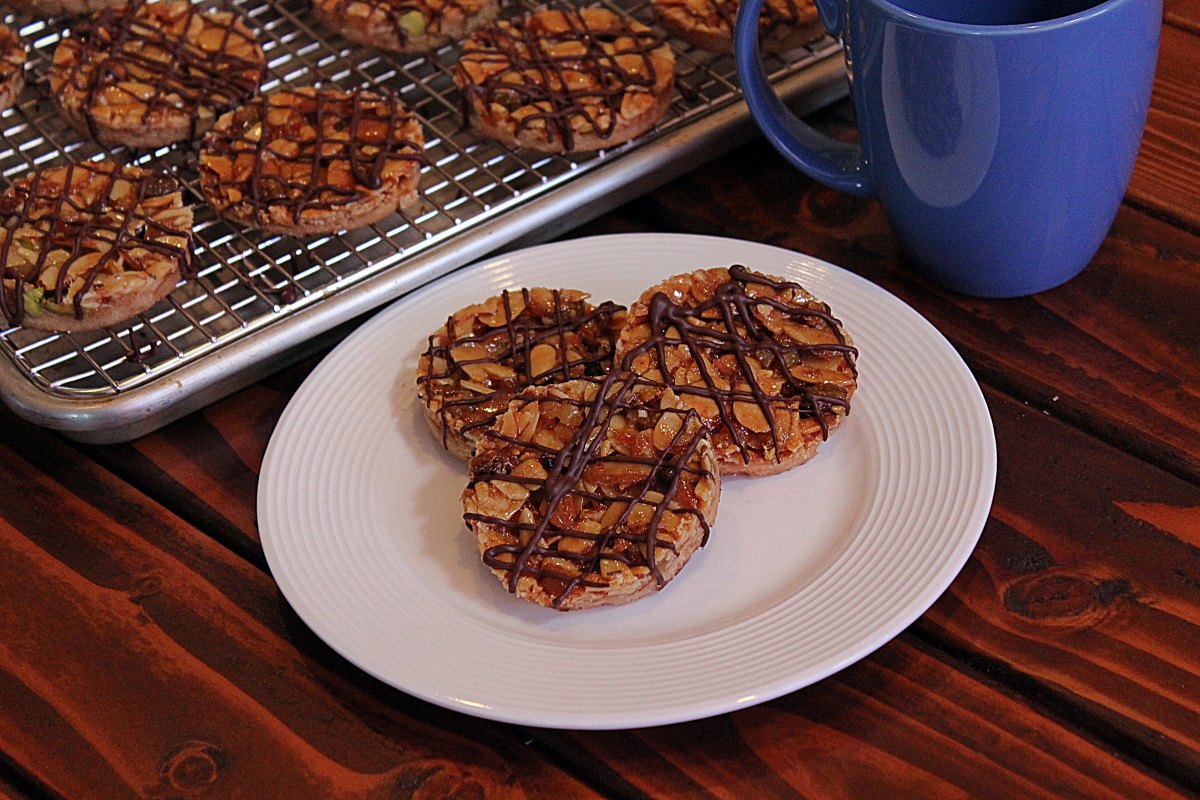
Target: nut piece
(309, 161)
(577, 498)
(565, 80)
(405, 26)
(87, 245)
(765, 364)
(487, 353)
(147, 75)
(12, 66)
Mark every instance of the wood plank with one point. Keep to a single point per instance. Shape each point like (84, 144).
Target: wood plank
(140, 658)
(205, 466)
(1182, 14)
(905, 721)
(1086, 584)
(1166, 177)
(11, 790)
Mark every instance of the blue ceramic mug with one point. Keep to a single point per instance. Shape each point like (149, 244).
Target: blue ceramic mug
(998, 135)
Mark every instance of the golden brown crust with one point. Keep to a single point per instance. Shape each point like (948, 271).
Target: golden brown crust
(488, 352)
(592, 493)
(405, 26)
(309, 161)
(147, 75)
(560, 81)
(708, 24)
(89, 245)
(763, 362)
(12, 66)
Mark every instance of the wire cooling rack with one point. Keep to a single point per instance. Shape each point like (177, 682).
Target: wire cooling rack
(261, 300)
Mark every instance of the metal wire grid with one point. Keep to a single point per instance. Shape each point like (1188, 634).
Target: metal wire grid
(249, 280)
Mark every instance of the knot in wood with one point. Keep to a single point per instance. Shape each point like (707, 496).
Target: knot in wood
(145, 586)
(1063, 598)
(191, 767)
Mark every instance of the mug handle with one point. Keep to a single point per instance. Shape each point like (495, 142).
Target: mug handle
(837, 164)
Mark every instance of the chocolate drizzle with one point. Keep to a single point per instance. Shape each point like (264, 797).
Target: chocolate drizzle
(306, 151)
(151, 62)
(774, 14)
(560, 79)
(732, 324)
(666, 474)
(570, 326)
(83, 210)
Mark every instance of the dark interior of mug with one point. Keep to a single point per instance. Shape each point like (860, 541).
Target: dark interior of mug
(995, 12)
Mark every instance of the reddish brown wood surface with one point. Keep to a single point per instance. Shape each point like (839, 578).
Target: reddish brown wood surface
(1086, 585)
(1167, 177)
(141, 659)
(146, 653)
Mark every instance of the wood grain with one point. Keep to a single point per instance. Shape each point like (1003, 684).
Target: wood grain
(141, 659)
(1166, 178)
(905, 721)
(1086, 586)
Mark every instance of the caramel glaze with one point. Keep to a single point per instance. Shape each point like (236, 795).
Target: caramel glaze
(543, 77)
(566, 469)
(772, 17)
(189, 78)
(740, 334)
(519, 336)
(393, 10)
(67, 224)
(372, 123)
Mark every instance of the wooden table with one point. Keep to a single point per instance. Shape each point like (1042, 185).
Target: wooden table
(146, 652)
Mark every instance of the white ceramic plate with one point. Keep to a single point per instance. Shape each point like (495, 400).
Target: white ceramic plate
(804, 573)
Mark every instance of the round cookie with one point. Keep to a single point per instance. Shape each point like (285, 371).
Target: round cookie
(12, 66)
(88, 245)
(405, 26)
(559, 81)
(148, 75)
(708, 24)
(486, 353)
(591, 493)
(310, 161)
(765, 364)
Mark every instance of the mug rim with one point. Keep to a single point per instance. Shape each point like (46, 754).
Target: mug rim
(892, 9)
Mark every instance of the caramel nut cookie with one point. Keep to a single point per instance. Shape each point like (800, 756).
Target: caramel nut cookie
(150, 74)
(309, 161)
(12, 66)
(56, 8)
(488, 352)
(591, 493)
(558, 81)
(767, 366)
(405, 26)
(708, 24)
(88, 245)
